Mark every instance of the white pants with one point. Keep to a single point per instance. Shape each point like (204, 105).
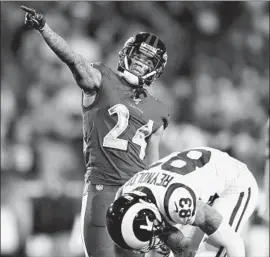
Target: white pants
(236, 205)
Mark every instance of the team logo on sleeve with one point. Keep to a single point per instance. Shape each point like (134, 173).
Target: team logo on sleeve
(99, 187)
(183, 207)
(136, 100)
(180, 204)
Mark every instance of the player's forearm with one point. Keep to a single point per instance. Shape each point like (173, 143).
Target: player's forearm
(86, 77)
(59, 46)
(152, 156)
(212, 223)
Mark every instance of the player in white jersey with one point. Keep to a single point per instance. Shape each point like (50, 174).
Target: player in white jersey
(202, 187)
(264, 211)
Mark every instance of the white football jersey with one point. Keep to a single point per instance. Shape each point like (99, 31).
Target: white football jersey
(177, 180)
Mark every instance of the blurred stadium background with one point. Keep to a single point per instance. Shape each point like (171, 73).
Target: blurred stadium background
(216, 82)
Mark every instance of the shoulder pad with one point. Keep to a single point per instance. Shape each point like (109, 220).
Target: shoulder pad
(105, 70)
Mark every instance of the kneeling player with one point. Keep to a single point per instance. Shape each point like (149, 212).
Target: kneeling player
(203, 187)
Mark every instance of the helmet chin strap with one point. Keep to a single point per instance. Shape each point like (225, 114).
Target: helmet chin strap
(149, 74)
(132, 78)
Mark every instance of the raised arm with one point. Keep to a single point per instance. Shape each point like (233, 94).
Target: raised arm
(87, 77)
(218, 230)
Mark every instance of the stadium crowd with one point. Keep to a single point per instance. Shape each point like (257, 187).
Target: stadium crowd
(216, 82)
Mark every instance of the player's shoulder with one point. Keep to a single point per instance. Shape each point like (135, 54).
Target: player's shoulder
(164, 106)
(161, 108)
(223, 160)
(104, 69)
(208, 148)
(209, 155)
(214, 152)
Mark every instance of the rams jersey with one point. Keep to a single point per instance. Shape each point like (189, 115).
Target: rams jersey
(116, 129)
(178, 180)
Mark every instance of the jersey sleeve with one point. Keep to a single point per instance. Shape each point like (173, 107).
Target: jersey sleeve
(166, 120)
(180, 204)
(106, 75)
(104, 70)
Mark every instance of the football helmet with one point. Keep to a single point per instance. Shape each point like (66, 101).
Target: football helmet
(149, 45)
(134, 223)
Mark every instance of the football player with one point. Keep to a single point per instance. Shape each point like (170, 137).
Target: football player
(202, 187)
(122, 123)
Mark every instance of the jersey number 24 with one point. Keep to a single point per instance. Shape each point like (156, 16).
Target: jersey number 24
(113, 140)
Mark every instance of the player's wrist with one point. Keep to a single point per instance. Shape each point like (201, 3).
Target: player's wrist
(174, 239)
(41, 22)
(42, 26)
(33, 19)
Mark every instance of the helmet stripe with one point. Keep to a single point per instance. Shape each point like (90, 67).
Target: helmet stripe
(156, 43)
(148, 40)
(152, 41)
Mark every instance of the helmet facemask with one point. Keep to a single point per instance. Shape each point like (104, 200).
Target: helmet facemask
(155, 241)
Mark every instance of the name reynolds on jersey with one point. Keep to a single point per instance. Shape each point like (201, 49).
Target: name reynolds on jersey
(154, 178)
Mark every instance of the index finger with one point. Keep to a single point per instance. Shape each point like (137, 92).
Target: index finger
(27, 9)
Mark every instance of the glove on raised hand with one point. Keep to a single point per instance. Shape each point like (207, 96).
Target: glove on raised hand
(33, 19)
